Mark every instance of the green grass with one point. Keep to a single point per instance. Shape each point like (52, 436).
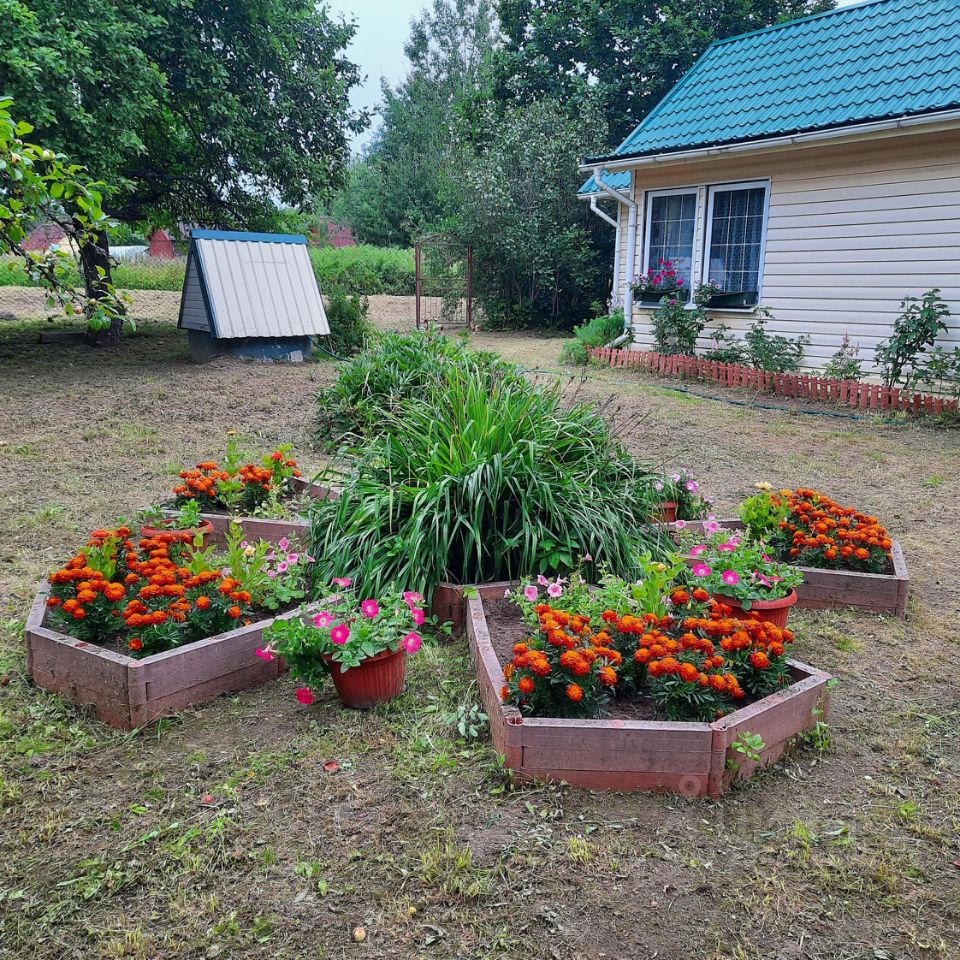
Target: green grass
(361, 269)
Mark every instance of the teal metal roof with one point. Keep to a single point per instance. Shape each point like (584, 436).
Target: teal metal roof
(619, 181)
(873, 61)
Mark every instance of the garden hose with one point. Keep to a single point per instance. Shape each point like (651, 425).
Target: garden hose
(315, 342)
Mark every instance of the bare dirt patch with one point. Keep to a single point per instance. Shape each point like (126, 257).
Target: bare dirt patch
(220, 833)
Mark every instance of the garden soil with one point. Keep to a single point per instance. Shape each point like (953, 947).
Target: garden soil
(253, 827)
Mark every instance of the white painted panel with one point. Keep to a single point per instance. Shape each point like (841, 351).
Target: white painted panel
(262, 289)
(852, 230)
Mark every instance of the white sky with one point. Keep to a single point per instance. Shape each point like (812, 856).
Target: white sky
(383, 28)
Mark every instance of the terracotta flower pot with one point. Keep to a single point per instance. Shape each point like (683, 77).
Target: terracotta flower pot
(667, 511)
(376, 680)
(771, 611)
(182, 536)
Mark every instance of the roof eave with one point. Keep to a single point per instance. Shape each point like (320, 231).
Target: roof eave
(614, 161)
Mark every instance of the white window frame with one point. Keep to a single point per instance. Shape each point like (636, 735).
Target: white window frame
(712, 190)
(648, 199)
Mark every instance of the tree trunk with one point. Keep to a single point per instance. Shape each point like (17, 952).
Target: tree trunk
(94, 257)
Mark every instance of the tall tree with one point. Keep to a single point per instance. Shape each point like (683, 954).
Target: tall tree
(395, 189)
(195, 110)
(630, 51)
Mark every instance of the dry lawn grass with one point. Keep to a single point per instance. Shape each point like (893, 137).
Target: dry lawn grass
(849, 849)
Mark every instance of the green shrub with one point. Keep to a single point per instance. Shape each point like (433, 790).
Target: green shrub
(353, 270)
(350, 327)
(395, 368)
(365, 269)
(760, 349)
(596, 332)
(921, 321)
(478, 480)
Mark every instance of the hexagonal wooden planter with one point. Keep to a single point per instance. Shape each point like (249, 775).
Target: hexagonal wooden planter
(261, 528)
(129, 693)
(835, 589)
(695, 759)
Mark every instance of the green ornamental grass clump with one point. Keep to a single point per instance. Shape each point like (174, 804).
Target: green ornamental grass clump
(481, 478)
(396, 367)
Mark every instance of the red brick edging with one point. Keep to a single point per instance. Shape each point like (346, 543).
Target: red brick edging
(867, 396)
(687, 758)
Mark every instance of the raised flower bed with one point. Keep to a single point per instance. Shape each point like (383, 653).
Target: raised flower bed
(262, 496)
(881, 585)
(126, 692)
(135, 628)
(691, 758)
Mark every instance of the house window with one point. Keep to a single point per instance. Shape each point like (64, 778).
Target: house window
(734, 241)
(671, 224)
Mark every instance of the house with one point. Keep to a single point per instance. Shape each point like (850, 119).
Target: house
(250, 295)
(812, 167)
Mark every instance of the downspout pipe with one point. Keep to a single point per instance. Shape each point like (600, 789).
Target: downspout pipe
(615, 223)
(632, 217)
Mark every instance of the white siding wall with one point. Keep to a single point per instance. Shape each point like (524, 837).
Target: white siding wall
(852, 230)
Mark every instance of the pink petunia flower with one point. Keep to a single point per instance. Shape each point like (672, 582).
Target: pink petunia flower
(711, 526)
(701, 570)
(419, 616)
(323, 619)
(411, 599)
(587, 558)
(370, 609)
(292, 558)
(692, 486)
(305, 696)
(264, 653)
(727, 548)
(531, 593)
(271, 574)
(542, 580)
(730, 577)
(342, 581)
(555, 590)
(698, 549)
(412, 642)
(282, 566)
(658, 486)
(340, 634)
(680, 524)
(284, 544)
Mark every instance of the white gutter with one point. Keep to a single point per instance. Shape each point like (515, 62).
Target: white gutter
(631, 250)
(798, 139)
(615, 223)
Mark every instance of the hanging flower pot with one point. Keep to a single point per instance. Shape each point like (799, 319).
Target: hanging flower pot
(375, 681)
(770, 611)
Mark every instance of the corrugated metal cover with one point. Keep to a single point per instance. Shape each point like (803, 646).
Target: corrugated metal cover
(259, 285)
(875, 61)
(619, 181)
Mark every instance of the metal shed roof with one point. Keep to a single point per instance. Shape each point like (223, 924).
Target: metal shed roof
(878, 60)
(252, 285)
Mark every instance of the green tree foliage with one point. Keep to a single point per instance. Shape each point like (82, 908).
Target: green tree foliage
(540, 256)
(194, 110)
(395, 191)
(39, 184)
(630, 51)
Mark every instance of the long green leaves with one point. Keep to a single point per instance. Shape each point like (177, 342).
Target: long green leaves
(484, 478)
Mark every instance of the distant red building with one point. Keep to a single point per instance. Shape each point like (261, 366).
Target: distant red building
(44, 236)
(161, 246)
(337, 235)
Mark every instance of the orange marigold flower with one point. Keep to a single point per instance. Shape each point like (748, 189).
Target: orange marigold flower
(135, 643)
(526, 685)
(575, 692)
(235, 613)
(760, 660)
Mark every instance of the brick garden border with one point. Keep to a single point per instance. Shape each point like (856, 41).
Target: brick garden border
(836, 589)
(262, 528)
(128, 693)
(687, 758)
(866, 396)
